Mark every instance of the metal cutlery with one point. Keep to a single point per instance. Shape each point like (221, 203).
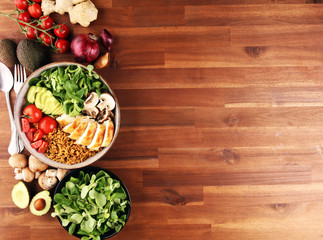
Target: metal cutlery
(6, 84)
(19, 79)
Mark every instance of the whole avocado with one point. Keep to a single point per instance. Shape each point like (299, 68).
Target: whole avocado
(31, 54)
(8, 52)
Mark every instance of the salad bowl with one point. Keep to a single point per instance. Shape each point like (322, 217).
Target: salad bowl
(21, 102)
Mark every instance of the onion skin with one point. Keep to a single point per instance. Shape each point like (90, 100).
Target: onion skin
(85, 48)
(106, 39)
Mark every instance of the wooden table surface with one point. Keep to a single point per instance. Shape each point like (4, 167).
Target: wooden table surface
(221, 119)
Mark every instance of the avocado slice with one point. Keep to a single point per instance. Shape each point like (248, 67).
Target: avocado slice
(20, 195)
(38, 98)
(41, 203)
(31, 94)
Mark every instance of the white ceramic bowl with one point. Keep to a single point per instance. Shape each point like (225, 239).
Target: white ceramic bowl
(20, 104)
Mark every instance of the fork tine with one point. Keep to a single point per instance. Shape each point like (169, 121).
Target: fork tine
(25, 75)
(21, 75)
(15, 73)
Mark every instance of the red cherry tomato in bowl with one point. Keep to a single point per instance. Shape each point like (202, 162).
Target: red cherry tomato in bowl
(47, 124)
(61, 31)
(32, 113)
(62, 45)
(46, 22)
(35, 10)
(21, 4)
(43, 147)
(25, 125)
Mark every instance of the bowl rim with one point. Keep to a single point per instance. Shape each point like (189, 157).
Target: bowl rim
(42, 157)
(93, 169)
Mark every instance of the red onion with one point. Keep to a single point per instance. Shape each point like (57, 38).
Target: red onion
(85, 47)
(106, 39)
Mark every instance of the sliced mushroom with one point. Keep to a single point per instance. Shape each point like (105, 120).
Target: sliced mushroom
(91, 112)
(46, 182)
(104, 115)
(106, 101)
(26, 175)
(91, 101)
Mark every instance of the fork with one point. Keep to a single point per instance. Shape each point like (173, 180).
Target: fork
(19, 79)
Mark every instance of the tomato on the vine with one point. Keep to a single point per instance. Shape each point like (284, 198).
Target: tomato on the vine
(24, 17)
(46, 22)
(35, 10)
(47, 39)
(32, 113)
(31, 32)
(62, 45)
(47, 124)
(61, 31)
(21, 4)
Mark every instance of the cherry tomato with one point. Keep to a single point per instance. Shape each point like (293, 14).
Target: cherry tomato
(46, 22)
(43, 147)
(61, 31)
(47, 124)
(32, 113)
(25, 125)
(25, 17)
(38, 134)
(35, 10)
(37, 144)
(21, 4)
(30, 136)
(48, 39)
(31, 32)
(62, 45)
(38, 1)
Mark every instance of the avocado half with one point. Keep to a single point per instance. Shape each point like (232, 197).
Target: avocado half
(20, 195)
(41, 203)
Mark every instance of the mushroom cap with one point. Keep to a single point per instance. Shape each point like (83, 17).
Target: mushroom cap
(35, 165)
(45, 182)
(18, 160)
(28, 175)
(61, 173)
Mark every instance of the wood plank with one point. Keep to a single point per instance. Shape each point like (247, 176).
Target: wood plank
(222, 137)
(219, 77)
(142, 3)
(276, 35)
(240, 158)
(246, 15)
(248, 56)
(215, 177)
(142, 16)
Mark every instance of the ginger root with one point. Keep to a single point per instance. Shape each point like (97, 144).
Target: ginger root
(80, 11)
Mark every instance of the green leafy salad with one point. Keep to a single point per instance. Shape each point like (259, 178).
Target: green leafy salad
(92, 204)
(70, 86)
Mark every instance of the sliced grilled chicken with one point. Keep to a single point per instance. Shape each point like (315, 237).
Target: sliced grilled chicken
(65, 119)
(98, 137)
(88, 134)
(69, 128)
(108, 135)
(77, 133)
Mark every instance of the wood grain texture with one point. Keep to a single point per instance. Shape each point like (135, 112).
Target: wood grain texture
(221, 119)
